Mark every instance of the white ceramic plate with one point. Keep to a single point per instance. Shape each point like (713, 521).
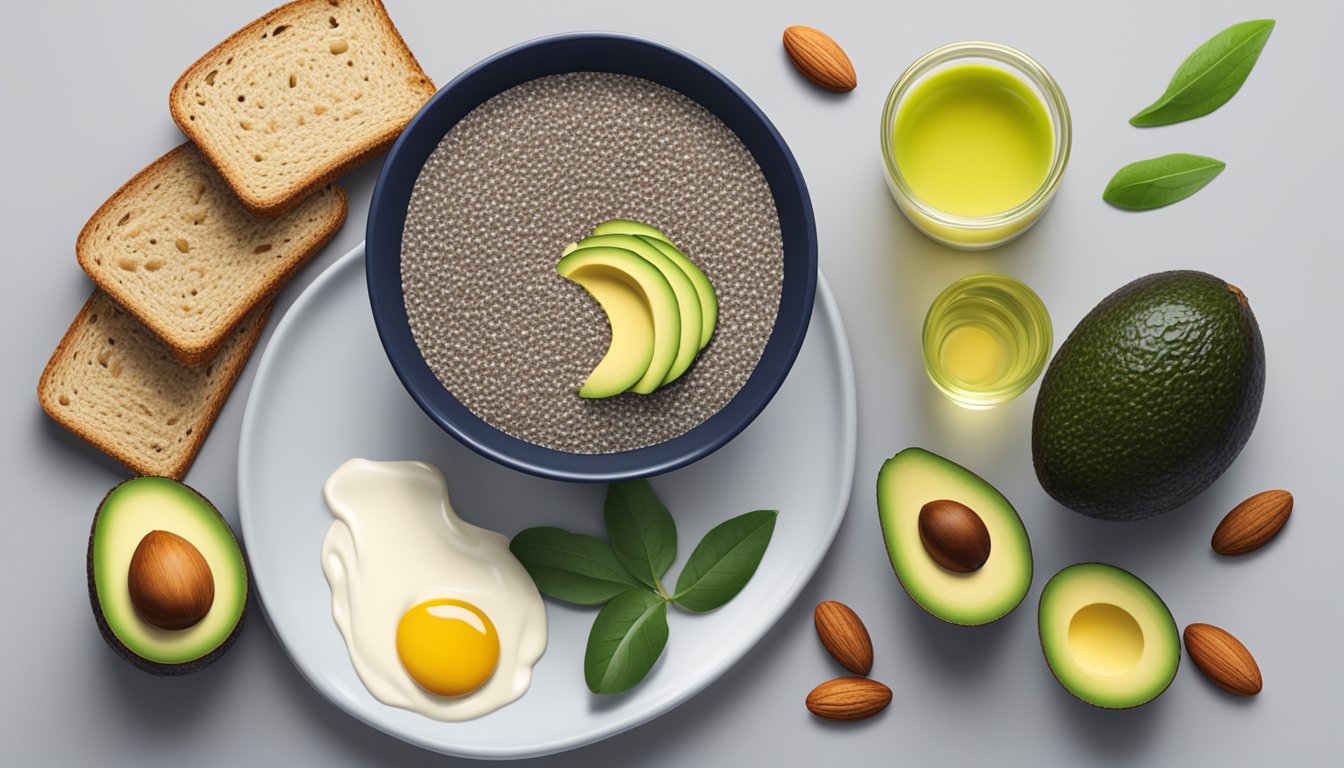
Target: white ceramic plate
(325, 393)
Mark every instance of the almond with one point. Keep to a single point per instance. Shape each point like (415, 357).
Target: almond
(843, 634)
(169, 581)
(1252, 523)
(820, 59)
(953, 535)
(848, 698)
(1223, 659)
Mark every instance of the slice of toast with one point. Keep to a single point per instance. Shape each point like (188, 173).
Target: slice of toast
(114, 383)
(175, 249)
(298, 97)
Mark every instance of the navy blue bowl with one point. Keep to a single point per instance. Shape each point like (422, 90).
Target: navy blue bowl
(590, 52)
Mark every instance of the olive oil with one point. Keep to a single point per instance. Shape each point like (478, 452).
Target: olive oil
(974, 140)
(974, 353)
(986, 339)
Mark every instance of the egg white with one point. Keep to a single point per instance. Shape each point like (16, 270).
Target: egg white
(396, 542)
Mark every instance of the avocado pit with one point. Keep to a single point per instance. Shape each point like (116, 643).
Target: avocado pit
(169, 581)
(954, 535)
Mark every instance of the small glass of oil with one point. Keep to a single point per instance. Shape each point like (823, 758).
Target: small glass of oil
(986, 339)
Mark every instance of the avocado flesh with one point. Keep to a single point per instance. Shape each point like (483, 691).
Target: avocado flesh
(688, 304)
(127, 513)
(642, 312)
(709, 301)
(1151, 397)
(907, 482)
(1107, 636)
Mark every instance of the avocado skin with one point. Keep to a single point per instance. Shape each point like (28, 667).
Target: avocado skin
(154, 667)
(1150, 398)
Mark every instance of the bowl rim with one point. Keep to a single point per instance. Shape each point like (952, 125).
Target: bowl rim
(573, 52)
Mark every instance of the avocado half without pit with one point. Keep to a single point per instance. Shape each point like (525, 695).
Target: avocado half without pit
(1107, 636)
(661, 308)
(167, 579)
(956, 544)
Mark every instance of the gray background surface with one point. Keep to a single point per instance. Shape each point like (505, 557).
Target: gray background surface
(86, 92)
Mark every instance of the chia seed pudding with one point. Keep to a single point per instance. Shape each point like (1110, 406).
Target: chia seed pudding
(537, 167)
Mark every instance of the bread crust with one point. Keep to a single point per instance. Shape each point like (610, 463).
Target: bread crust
(271, 207)
(193, 354)
(46, 397)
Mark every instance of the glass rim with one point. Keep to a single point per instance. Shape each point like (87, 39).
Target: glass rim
(1036, 74)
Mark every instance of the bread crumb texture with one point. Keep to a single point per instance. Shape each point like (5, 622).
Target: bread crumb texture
(177, 250)
(299, 96)
(114, 383)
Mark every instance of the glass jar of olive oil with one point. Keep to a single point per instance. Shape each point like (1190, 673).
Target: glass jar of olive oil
(975, 140)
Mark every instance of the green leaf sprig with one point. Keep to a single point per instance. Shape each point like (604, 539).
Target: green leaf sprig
(1210, 76)
(1205, 81)
(625, 574)
(1160, 181)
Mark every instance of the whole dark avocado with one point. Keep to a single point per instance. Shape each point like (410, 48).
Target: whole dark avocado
(1151, 397)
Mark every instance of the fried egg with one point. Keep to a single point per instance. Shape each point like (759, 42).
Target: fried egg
(438, 615)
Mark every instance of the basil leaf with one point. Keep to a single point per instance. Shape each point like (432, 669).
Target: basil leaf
(1210, 77)
(1160, 181)
(570, 566)
(641, 531)
(626, 640)
(724, 561)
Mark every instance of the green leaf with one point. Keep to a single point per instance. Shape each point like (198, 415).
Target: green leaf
(570, 566)
(626, 640)
(1160, 181)
(641, 531)
(724, 561)
(1210, 77)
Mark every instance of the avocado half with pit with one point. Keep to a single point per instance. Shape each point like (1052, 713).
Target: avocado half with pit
(956, 544)
(1107, 636)
(167, 580)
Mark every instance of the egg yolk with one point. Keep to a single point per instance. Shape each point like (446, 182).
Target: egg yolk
(449, 647)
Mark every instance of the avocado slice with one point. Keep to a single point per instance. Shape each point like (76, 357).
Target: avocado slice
(630, 227)
(687, 302)
(1107, 636)
(709, 301)
(1151, 397)
(642, 311)
(127, 515)
(908, 482)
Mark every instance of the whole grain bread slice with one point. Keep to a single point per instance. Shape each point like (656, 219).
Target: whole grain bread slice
(175, 249)
(298, 97)
(114, 383)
